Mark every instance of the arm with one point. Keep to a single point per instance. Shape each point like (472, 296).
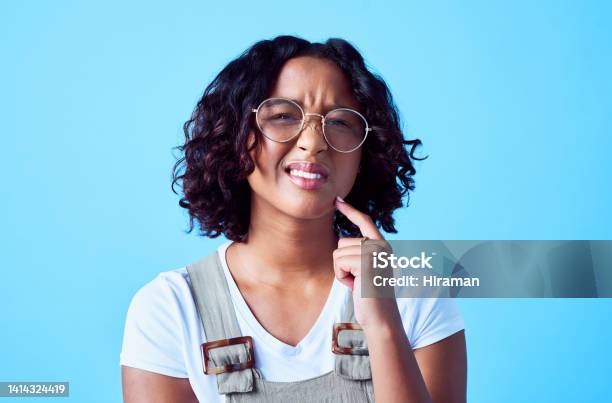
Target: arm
(140, 386)
(435, 373)
(444, 368)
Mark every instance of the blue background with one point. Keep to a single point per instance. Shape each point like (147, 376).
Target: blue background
(512, 103)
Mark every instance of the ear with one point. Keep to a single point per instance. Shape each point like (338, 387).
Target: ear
(250, 139)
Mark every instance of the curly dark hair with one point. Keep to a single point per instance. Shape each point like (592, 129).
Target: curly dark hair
(215, 161)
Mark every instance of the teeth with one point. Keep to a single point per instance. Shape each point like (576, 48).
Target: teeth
(307, 175)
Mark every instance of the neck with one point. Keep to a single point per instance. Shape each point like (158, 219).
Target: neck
(281, 249)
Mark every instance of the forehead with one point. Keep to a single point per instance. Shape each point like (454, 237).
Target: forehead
(314, 82)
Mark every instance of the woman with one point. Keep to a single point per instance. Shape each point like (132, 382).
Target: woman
(294, 153)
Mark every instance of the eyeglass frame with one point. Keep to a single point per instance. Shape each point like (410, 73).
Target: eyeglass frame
(303, 122)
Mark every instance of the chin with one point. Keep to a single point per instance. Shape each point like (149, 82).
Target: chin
(310, 209)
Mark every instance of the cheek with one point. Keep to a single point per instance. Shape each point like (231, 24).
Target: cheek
(346, 167)
(267, 157)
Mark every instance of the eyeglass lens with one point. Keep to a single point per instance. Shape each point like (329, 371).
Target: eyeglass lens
(281, 120)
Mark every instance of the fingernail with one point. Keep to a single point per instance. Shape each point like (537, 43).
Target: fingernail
(340, 199)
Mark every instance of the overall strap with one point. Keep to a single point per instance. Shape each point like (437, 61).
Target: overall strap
(216, 309)
(352, 366)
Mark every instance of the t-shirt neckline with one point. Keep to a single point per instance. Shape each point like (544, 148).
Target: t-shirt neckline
(245, 312)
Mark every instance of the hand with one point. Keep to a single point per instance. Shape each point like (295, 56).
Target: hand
(369, 312)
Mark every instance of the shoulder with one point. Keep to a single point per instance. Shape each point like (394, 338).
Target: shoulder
(429, 320)
(152, 338)
(163, 291)
(158, 325)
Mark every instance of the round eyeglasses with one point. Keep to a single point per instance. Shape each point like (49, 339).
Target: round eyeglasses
(281, 119)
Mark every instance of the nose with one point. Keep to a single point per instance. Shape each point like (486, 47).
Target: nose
(312, 140)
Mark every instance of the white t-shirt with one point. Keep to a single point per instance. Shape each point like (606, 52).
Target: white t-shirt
(163, 332)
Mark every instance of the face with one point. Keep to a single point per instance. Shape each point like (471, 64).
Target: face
(318, 86)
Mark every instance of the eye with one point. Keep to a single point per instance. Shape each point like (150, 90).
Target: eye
(282, 116)
(337, 122)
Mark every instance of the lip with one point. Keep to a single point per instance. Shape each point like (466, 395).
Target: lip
(310, 167)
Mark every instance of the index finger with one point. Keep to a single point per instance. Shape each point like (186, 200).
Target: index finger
(361, 220)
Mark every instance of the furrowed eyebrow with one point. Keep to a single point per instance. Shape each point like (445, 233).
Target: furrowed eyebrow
(330, 108)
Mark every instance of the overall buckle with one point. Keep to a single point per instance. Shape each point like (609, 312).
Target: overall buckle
(206, 347)
(336, 349)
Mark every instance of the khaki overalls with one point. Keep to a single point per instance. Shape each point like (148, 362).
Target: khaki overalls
(229, 354)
